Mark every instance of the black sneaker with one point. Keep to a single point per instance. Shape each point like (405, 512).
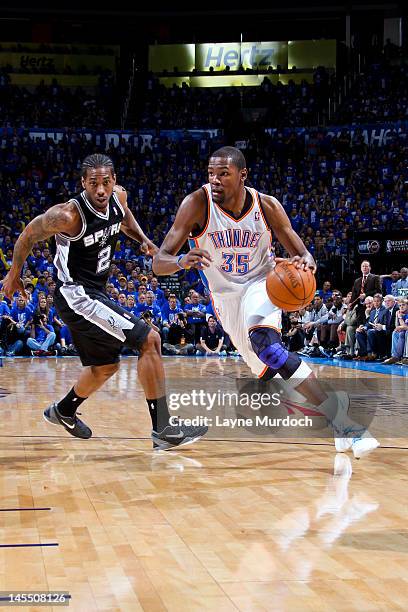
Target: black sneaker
(72, 425)
(174, 436)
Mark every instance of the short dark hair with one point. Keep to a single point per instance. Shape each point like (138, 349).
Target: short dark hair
(235, 155)
(97, 160)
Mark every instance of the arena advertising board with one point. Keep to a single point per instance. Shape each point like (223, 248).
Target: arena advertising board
(258, 55)
(374, 134)
(53, 63)
(105, 139)
(384, 244)
(397, 246)
(261, 55)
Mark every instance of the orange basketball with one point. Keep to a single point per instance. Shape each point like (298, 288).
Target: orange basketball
(290, 288)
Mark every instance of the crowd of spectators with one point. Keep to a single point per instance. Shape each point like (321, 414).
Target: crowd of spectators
(186, 321)
(380, 93)
(369, 323)
(328, 186)
(326, 189)
(54, 106)
(180, 107)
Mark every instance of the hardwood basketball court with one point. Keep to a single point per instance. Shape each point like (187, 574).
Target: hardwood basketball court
(221, 525)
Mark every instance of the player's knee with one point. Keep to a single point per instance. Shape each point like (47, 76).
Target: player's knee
(106, 371)
(152, 342)
(267, 345)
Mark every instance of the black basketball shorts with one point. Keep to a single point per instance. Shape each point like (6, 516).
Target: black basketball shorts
(99, 327)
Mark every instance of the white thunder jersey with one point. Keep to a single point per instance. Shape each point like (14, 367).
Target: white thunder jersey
(241, 253)
(240, 248)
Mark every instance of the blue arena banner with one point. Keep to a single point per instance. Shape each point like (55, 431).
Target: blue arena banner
(378, 134)
(107, 137)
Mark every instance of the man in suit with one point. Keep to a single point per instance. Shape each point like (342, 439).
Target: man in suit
(399, 335)
(367, 284)
(392, 306)
(371, 337)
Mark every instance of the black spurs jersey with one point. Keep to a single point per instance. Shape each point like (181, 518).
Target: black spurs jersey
(85, 259)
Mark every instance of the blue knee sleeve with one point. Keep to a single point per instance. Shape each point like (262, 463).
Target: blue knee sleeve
(267, 345)
(275, 356)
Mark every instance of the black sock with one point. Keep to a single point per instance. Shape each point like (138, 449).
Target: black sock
(69, 404)
(159, 413)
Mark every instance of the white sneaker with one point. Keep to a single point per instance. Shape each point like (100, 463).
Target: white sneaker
(364, 445)
(343, 444)
(360, 445)
(349, 434)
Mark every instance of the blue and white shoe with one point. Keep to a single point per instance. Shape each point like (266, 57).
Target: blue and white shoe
(347, 433)
(360, 443)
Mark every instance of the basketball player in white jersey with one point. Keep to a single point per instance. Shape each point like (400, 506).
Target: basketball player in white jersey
(86, 230)
(230, 229)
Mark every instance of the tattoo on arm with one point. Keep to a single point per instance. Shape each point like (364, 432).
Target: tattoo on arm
(55, 220)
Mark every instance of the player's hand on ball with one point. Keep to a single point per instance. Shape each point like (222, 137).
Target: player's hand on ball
(305, 262)
(196, 258)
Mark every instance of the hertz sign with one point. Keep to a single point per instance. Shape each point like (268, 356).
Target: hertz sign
(48, 63)
(248, 55)
(253, 55)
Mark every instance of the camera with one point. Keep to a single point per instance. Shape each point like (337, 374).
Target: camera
(146, 315)
(40, 318)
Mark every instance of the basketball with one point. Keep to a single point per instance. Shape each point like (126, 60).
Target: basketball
(290, 288)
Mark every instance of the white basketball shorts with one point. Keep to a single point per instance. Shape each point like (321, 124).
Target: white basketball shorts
(240, 312)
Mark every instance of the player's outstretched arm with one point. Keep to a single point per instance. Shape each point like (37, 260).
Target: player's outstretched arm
(130, 226)
(281, 227)
(190, 216)
(60, 218)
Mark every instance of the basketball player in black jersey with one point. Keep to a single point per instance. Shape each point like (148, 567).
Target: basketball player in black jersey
(86, 230)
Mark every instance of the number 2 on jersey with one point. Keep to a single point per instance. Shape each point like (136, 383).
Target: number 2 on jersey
(103, 259)
(235, 262)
